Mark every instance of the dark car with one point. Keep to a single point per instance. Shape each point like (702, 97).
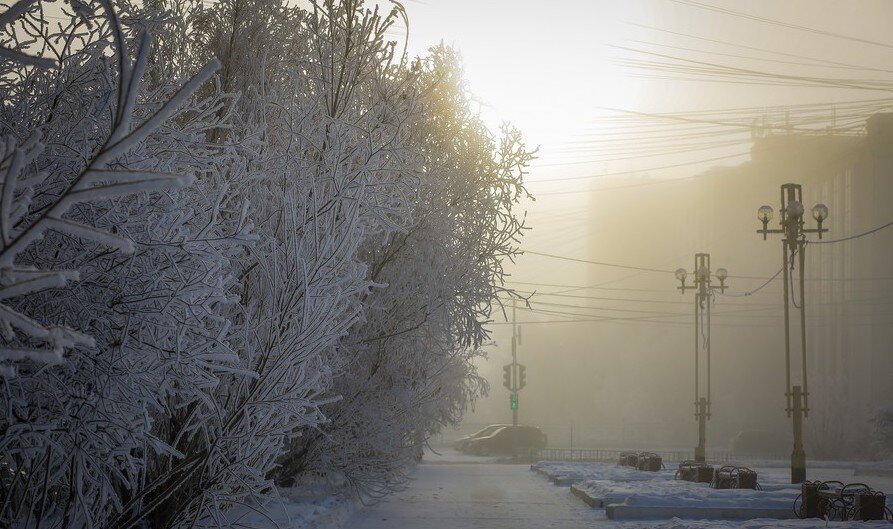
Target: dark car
(506, 439)
(462, 442)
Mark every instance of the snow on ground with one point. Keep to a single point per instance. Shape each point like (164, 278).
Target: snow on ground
(446, 455)
(762, 523)
(832, 470)
(570, 472)
(307, 507)
(478, 496)
(668, 493)
(771, 474)
(672, 496)
(876, 469)
(475, 492)
(624, 488)
(499, 496)
(609, 483)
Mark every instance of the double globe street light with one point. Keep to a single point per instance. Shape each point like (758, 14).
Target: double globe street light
(794, 232)
(703, 287)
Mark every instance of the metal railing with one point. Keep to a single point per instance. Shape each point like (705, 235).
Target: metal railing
(611, 456)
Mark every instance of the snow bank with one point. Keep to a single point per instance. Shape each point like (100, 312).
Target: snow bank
(662, 492)
(761, 523)
(567, 473)
(304, 508)
(629, 494)
(663, 500)
(673, 495)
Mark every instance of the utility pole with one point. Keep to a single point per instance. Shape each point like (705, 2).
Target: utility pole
(514, 375)
(515, 389)
(794, 246)
(703, 297)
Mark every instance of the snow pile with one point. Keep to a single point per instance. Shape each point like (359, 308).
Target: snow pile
(674, 495)
(572, 472)
(305, 508)
(673, 499)
(759, 523)
(875, 468)
(616, 492)
(670, 493)
(626, 494)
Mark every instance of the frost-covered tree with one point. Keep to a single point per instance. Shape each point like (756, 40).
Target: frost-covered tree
(96, 197)
(36, 196)
(310, 305)
(410, 369)
(413, 188)
(333, 170)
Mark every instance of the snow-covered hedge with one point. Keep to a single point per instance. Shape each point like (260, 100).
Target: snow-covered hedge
(237, 244)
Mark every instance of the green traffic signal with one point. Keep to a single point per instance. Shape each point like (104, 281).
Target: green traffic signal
(514, 401)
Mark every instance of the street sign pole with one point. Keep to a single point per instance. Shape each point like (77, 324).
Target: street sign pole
(514, 387)
(514, 378)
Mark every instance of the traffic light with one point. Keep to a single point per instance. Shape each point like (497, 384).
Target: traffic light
(507, 376)
(522, 376)
(514, 401)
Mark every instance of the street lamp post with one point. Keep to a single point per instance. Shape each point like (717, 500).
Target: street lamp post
(703, 288)
(794, 232)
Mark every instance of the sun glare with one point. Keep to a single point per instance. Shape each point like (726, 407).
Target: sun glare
(545, 69)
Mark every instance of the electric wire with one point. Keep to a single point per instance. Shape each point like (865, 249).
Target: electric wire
(640, 171)
(754, 291)
(788, 25)
(599, 263)
(714, 71)
(746, 47)
(626, 267)
(852, 237)
(780, 270)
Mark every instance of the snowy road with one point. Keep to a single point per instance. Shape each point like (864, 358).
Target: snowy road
(453, 491)
(472, 496)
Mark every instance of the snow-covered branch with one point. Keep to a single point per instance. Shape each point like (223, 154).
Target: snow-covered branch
(24, 221)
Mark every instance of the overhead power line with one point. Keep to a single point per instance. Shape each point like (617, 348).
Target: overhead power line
(667, 271)
(650, 322)
(626, 267)
(582, 287)
(851, 237)
(599, 263)
(748, 16)
(534, 297)
(844, 155)
(819, 61)
(714, 71)
(754, 291)
(639, 171)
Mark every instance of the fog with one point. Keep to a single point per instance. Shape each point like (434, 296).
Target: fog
(662, 128)
(629, 381)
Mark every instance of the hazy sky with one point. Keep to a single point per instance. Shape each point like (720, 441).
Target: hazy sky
(554, 69)
(550, 67)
